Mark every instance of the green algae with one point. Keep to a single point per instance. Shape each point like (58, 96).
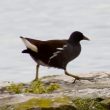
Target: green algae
(63, 100)
(46, 103)
(15, 88)
(60, 103)
(106, 103)
(34, 103)
(88, 104)
(36, 87)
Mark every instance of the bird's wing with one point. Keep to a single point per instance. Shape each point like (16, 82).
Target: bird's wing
(61, 57)
(58, 54)
(47, 49)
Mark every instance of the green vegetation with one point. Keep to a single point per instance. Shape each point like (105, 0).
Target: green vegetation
(36, 87)
(34, 103)
(15, 88)
(61, 103)
(64, 100)
(106, 103)
(89, 104)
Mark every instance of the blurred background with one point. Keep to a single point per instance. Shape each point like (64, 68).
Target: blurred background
(53, 19)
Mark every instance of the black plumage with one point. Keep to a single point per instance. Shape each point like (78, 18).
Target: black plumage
(54, 53)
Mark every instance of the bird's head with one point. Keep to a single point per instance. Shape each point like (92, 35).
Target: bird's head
(76, 37)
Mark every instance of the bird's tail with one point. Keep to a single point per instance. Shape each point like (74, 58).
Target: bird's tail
(29, 45)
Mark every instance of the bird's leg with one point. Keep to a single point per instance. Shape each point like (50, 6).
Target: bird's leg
(79, 78)
(74, 76)
(37, 71)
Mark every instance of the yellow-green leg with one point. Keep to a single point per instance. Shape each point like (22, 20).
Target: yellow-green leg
(79, 78)
(74, 76)
(37, 71)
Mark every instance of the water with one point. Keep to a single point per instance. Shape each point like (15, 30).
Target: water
(53, 19)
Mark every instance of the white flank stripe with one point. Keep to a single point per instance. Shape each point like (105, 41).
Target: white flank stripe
(54, 55)
(30, 45)
(65, 46)
(60, 48)
(57, 52)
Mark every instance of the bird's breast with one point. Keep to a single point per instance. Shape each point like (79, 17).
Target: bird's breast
(71, 52)
(76, 50)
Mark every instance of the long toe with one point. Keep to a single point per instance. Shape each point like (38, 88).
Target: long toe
(76, 78)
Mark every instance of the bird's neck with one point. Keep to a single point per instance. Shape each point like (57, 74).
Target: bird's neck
(74, 42)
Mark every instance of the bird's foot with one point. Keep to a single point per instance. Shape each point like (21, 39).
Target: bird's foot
(36, 79)
(83, 78)
(76, 78)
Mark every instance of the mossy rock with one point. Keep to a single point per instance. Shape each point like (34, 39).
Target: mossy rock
(89, 104)
(62, 107)
(106, 103)
(60, 103)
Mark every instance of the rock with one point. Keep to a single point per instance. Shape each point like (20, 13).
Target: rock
(63, 107)
(84, 89)
(61, 103)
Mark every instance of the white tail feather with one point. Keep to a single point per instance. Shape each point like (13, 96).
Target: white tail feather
(29, 45)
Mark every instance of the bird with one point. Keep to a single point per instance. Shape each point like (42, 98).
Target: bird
(54, 53)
